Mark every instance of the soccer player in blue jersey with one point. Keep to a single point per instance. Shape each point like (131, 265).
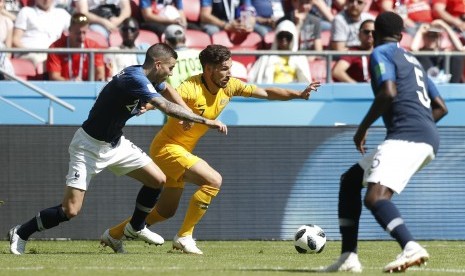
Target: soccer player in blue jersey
(99, 143)
(409, 104)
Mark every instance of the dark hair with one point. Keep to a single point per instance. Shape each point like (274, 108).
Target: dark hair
(159, 51)
(128, 20)
(389, 24)
(366, 22)
(214, 54)
(79, 19)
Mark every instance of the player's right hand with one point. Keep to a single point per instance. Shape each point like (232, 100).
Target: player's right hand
(218, 125)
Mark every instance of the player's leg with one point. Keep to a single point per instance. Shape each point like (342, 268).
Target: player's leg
(209, 182)
(153, 179)
(133, 162)
(80, 172)
(349, 211)
(164, 209)
(46, 219)
(397, 162)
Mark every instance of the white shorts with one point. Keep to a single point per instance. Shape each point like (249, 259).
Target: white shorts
(89, 156)
(394, 162)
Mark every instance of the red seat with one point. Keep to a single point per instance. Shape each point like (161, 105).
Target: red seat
(240, 42)
(24, 68)
(145, 37)
(406, 41)
(192, 12)
(326, 39)
(97, 37)
(318, 70)
(115, 39)
(197, 39)
(268, 40)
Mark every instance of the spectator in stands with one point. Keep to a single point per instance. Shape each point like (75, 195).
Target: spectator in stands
(345, 26)
(37, 27)
(356, 68)
(322, 9)
(188, 62)
(282, 69)
(414, 13)
(159, 14)
(268, 12)
(129, 32)
(308, 25)
(10, 8)
(452, 12)
(104, 16)
(431, 36)
(75, 66)
(225, 15)
(6, 39)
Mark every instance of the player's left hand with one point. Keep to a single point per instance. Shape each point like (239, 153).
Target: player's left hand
(313, 86)
(360, 139)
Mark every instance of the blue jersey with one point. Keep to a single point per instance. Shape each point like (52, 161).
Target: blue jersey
(410, 115)
(119, 100)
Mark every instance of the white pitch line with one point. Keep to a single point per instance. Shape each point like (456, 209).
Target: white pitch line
(426, 269)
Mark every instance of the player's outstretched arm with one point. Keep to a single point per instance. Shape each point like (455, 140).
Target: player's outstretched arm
(282, 94)
(177, 111)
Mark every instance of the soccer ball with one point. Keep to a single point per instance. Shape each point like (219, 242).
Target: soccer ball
(309, 239)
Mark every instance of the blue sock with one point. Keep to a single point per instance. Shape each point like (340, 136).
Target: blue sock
(45, 219)
(350, 207)
(388, 216)
(145, 201)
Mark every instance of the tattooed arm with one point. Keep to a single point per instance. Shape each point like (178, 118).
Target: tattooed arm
(177, 111)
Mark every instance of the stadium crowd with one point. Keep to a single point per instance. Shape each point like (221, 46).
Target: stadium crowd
(293, 25)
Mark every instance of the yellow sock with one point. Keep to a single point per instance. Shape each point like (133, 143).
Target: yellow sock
(117, 232)
(154, 217)
(197, 208)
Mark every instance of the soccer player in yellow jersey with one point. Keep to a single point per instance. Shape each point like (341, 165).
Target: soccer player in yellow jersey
(206, 94)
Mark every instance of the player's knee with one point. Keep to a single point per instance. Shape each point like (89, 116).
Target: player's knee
(216, 181)
(157, 182)
(161, 180)
(369, 201)
(71, 211)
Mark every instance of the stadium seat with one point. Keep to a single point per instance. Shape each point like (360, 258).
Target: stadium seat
(97, 37)
(268, 40)
(115, 39)
(24, 68)
(147, 37)
(318, 70)
(197, 39)
(248, 42)
(238, 70)
(446, 42)
(326, 39)
(406, 41)
(192, 12)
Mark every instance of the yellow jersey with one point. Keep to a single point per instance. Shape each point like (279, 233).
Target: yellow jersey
(196, 95)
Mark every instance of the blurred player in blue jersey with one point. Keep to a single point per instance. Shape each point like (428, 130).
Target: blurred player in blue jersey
(409, 104)
(99, 143)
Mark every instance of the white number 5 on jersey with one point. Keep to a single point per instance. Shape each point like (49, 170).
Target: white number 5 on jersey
(422, 93)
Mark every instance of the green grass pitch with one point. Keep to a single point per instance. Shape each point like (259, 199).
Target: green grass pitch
(220, 258)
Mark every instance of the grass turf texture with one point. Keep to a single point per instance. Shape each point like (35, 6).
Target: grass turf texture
(221, 258)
